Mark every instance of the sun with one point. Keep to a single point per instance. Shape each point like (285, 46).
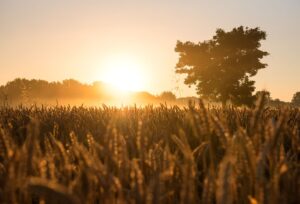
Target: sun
(123, 73)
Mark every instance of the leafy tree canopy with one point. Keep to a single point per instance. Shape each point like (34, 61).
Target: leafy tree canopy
(221, 67)
(265, 94)
(167, 95)
(296, 99)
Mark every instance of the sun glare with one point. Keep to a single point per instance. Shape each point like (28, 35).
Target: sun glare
(123, 73)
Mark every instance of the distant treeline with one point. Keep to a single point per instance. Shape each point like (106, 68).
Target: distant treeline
(24, 89)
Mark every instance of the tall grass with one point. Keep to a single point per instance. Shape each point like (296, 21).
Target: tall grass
(149, 155)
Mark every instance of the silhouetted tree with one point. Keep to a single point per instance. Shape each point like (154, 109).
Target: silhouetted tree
(29, 90)
(296, 99)
(278, 103)
(264, 93)
(167, 95)
(221, 67)
(23, 89)
(4, 97)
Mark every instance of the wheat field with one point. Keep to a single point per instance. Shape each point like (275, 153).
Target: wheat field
(149, 154)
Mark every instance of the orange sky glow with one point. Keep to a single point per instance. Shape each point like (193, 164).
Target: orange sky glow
(91, 40)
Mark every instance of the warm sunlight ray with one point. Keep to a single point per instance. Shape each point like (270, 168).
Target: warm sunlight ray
(123, 73)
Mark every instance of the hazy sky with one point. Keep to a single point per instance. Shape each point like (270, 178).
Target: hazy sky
(59, 39)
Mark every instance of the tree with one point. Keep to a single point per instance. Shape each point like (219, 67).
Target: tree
(296, 99)
(277, 102)
(221, 67)
(167, 95)
(265, 94)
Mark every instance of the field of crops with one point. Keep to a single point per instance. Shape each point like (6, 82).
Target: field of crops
(149, 155)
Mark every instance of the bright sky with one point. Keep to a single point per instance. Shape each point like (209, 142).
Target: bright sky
(59, 39)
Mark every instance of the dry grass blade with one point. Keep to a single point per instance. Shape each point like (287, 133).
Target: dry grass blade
(50, 191)
(107, 155)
